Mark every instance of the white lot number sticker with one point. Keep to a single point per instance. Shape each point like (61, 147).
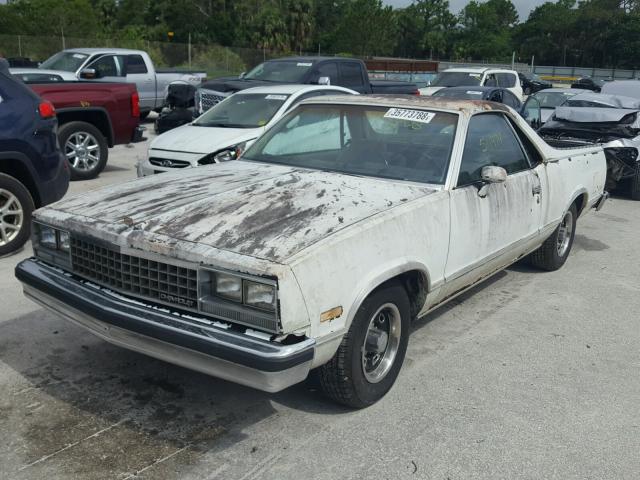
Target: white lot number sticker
(304, 64)
(276, 97)
(473, 92)
(410, 115)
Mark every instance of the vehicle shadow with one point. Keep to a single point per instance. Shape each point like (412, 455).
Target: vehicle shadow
(82, 381)
(421, 322)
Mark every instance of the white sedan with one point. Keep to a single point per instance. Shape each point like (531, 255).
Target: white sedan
(226, 130)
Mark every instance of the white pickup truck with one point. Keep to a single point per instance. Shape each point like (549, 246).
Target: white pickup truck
(116, 65)
(476, 77)
(347, 219)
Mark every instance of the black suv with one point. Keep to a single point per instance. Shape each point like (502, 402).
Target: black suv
(33, 172)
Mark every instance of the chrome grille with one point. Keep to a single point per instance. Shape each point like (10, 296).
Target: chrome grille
(130, 274)
(208, 100)
(168, 163)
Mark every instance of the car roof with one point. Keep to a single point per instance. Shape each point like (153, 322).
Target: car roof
(561, 90)
(408, 101)
(471, 87)
(102, 50)
(310, 59)
(479, 70)
(288, 89)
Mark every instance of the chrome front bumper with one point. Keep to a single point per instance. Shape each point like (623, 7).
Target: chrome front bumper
(197, 344)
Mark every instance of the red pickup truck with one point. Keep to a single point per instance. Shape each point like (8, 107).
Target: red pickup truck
(92, 117)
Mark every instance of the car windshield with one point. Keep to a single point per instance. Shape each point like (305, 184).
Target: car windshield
(552, 99)
(456, 79)
(65, 61)
(280, 71)
(382, 142)
(243, 110)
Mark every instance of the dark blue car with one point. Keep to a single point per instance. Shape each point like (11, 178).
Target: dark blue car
(33, 172)
(492, 94)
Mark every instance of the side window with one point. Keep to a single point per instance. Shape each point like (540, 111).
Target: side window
(491, 81)
(506, 80)
(135, 64)
(511, 100)
(330, 70)
(532, 152)
(490, 141)
(351, 74)
(107, 66)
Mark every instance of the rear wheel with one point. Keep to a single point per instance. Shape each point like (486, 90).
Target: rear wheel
(85, 148)
(555, 250)
(16, 208)
(371, 353)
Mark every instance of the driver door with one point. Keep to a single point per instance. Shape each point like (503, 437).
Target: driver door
(492, 226)
(109, 68)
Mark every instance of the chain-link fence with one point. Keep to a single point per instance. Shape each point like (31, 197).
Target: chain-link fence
(215, 59)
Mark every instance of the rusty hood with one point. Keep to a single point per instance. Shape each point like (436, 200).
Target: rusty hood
(261, 210)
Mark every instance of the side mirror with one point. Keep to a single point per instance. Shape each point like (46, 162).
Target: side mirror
(491, 174)
(88, 73)
(242, 74)
(324, 81)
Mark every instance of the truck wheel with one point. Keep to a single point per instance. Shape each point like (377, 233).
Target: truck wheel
(16, 208)
(555, 250)
(635, 185)
(371, 353)
(85, 148)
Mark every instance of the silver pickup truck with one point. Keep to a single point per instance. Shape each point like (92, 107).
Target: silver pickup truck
(116, 65)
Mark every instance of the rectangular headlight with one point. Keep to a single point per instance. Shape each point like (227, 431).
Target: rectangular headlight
(47, 237)
(259, 295)
(228, 286)
(64, 241)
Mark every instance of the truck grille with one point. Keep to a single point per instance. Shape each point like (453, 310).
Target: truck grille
(129, 274)
(208, 100)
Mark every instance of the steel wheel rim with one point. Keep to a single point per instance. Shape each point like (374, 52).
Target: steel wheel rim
(565, 230)
(82, 151)
(381, 342)
(11, 217)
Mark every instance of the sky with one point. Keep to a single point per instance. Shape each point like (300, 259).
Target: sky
(523, 6)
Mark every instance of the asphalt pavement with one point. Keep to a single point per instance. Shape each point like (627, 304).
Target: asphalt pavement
(531, 375)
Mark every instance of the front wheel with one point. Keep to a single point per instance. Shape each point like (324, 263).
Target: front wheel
(371, 353)
(16, 207)
(555, 250)
(85, 148)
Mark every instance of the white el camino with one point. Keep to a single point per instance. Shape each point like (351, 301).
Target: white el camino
(346, 220)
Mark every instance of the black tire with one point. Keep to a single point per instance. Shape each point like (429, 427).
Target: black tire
(548, 256)
(22, 197)
(635, 185)
(343, 378)
(81, 130)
